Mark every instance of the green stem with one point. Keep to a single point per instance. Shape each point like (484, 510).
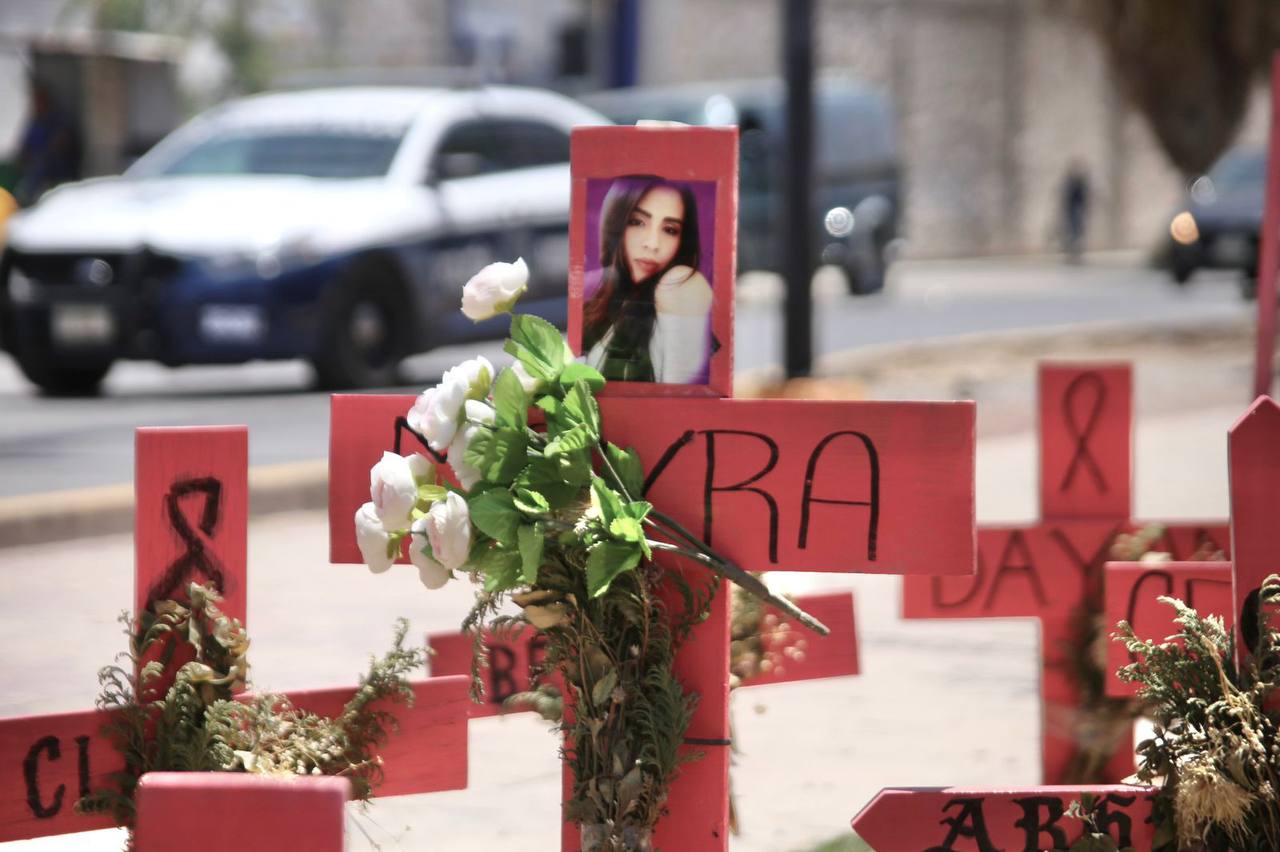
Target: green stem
(745, 580)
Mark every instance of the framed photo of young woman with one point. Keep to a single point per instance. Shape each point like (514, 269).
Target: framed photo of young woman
(652, 255)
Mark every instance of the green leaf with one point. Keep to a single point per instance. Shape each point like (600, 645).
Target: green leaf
(626, 463)
(543, 477)
(582, 373)
(507, 456)
(627, 529)
(500, 569)
(550, 404)
(510, 401)
(580, 404)
(532, 537)
(638, 509)
(575, 467)
(542, 341)
(428, 493)
(535, 365)
(494, 514)
(531, 502)
(606, 561)
(479, 448)
(603, 687)
(577, 438)
(607, 499)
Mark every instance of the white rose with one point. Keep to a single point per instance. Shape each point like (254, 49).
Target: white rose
(447, 525)
(432, 574)
(494, 290)
(476, 414)
(393, 487)
(372, 539)
(436, 412)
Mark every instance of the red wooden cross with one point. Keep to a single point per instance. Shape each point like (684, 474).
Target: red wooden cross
(191, 524)
(220, 811)
(793, 653)
(1253, 458)
(1131, 592)
(775, 485)
(1053, 569)
(938, 819)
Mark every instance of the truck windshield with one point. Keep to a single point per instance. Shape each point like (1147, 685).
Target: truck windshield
(311, 153)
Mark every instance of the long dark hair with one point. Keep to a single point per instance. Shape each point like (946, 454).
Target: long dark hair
(620, 303)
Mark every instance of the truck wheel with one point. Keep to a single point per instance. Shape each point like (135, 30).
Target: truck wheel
(55, 380)
(365, 332)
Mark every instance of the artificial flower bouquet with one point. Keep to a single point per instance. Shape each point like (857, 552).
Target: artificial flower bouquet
(551, 516)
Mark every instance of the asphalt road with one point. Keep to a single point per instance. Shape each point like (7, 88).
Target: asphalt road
(57, 444)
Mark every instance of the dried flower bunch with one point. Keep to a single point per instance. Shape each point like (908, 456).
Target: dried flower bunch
(1215, 751)
(554, 520)
(195, 723)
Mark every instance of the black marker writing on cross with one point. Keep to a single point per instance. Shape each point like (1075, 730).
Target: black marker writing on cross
(197, 556)
(1082, 455)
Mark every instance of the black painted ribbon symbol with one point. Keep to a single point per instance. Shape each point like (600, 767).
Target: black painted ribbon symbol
(196, 557)
(1082, 454)
(402, 426)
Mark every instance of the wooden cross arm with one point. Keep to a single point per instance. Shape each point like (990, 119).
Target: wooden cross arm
(51, 761)
(1001, 817)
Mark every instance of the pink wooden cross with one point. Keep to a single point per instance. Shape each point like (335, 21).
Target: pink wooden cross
(191, 524)
(943, 819)
(1052, 569)
(775, 485)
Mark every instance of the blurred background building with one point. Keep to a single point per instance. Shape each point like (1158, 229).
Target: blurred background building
(994, 99)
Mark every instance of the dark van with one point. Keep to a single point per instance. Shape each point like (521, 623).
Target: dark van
(857, 173)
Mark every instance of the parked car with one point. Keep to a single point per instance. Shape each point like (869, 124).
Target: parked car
(1218, 222)
(857, 170)
(335, 225)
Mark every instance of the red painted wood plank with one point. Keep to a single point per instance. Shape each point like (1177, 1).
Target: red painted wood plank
(913, 818)
(1041, 569)
(1253, 458)
(1269, 249)
(679, 153)
(1086, 440)
(797, 654)
(1047, 567)
(698, 805)
(50, 762)
(56, 759)
(428, 753)
(192, 489)
(814, 486)
(217, 811)
(1131, 592)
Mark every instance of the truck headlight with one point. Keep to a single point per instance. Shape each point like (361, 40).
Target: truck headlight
(266, 262)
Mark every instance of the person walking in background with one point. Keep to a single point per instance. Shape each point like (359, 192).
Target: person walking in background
(49, 153)
(1075, 210)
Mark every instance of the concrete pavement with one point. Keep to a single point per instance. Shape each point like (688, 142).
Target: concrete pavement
(937, 703)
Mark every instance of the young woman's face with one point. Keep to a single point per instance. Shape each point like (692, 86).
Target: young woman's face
(653, 232)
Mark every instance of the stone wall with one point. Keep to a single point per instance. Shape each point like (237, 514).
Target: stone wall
(994, 100)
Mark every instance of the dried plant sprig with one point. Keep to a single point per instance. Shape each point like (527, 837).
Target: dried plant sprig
(196, 723)
(1215, 751)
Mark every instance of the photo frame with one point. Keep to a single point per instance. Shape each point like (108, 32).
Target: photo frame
(652, 257)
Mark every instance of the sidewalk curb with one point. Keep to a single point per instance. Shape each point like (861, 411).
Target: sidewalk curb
(105, 510)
